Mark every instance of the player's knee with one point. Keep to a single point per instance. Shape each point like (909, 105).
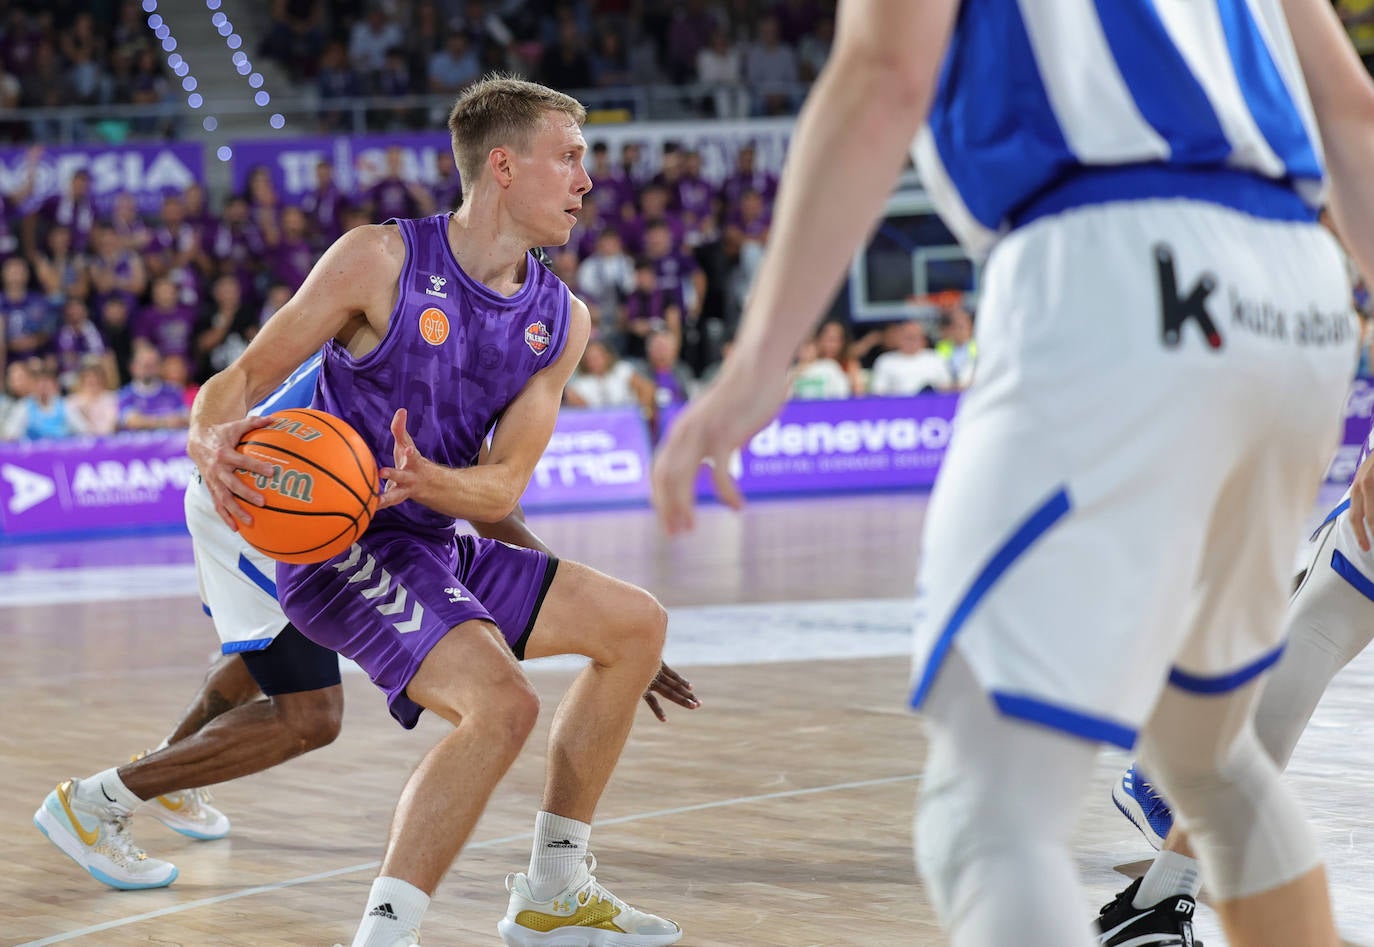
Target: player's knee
(314, 718)
(643, 630)
(511, 712)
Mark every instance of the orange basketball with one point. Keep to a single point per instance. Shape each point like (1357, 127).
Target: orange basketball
(323, 489)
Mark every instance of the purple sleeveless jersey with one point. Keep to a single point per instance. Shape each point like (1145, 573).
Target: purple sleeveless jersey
(455, 355)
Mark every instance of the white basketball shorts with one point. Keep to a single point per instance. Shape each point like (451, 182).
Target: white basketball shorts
(1158, 392)
(238, 584)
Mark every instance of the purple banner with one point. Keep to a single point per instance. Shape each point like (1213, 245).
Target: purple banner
(834, 446)
(93, 484)
(359, 160)
(148, 171)
(595, 458)
(1359, 410)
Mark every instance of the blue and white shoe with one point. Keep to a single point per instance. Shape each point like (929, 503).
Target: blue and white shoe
(1140, 802)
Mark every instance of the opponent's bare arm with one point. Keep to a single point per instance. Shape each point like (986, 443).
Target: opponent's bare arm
(488, 492)
(850, 143)
(1343, 99)
(348, 295)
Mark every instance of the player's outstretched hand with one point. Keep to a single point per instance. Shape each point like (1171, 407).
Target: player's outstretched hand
(1362, 502)
(215, 452)
(674, 687)
(406, 480)
(708, 432)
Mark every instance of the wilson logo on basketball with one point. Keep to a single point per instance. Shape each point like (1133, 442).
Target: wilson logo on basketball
(296, 484)
(537, 337)
(434, 326)
(295, 428)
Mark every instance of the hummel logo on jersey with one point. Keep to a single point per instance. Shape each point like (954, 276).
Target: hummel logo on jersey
(383, 910)
(1176, 309)
(561, 843)
(456, 595)
(437, 283)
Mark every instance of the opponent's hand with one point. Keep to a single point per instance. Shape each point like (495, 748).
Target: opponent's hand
(406, 480)
(1362, 502)
(674, 687)
(708, 432)
(215, 452)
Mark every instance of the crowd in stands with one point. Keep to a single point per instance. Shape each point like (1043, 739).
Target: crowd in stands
(67, 53)
(750, 58)
(109, 321)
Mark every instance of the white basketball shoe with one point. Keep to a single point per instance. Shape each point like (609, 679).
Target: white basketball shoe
(188, 812)
(584, 914)
(97, 838)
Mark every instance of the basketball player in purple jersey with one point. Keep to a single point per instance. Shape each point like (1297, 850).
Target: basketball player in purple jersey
(438, 330)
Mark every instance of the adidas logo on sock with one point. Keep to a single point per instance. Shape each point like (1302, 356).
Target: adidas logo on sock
(561, 843)
(383, 910)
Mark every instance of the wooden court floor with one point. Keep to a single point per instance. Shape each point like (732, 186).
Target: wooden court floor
(777, 814)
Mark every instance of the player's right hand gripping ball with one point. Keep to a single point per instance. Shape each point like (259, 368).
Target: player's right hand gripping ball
(323, 489)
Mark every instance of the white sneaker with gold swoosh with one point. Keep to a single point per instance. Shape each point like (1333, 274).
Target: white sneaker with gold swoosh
(97, 838)
(584, 914)
(188, 812)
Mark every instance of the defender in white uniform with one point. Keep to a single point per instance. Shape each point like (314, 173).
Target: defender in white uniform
(1165, 340)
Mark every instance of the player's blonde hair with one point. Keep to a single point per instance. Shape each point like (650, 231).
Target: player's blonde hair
(501, 110)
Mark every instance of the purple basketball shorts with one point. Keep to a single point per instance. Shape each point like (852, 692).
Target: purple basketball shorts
(390, 597)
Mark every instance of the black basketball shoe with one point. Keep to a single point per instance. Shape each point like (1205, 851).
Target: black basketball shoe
(1167, 924)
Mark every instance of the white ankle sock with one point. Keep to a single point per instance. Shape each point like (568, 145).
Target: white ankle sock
(1170, 874)
(560, 845)
(105, 789)
(394, 908)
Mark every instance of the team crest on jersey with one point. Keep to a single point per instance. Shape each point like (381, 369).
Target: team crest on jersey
(537, 337)
(434, 326)
(436, 284)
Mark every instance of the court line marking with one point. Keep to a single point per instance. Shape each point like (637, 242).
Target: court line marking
(488, 843)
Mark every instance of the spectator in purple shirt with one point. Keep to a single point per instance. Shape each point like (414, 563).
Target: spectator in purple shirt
(114, 269)
(77, 339)
(747, 177)
(448, 187)
(128, 225)
(147, 402)
(696, 196)
(61, 272)
(294, 256)
(166, 323)
(669, 375)
(611, 189)
(235, 245)
(264, 206)
(648, 310)
(72, 209)
(325, 205)
(393, 195)
(751, 217)
(196, 204)
(676, 273)
(590, 225)
(29, 321)
(175, 244)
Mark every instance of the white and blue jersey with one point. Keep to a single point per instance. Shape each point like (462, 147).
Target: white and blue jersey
(296, 392)
(237, 583)
(1045, 106)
